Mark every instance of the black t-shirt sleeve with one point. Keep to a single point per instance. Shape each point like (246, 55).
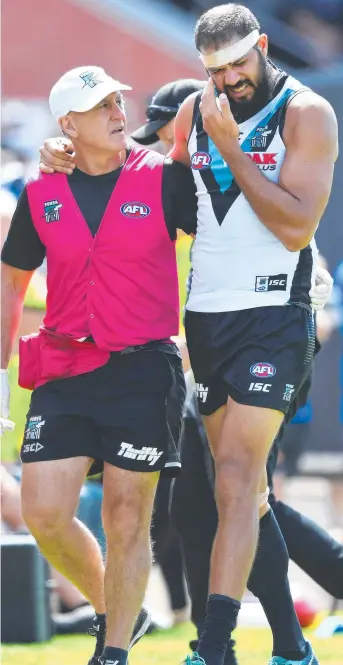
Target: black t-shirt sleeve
(23, 248)
(179, 198)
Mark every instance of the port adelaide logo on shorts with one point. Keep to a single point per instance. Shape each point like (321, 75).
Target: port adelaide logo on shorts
(135, 210)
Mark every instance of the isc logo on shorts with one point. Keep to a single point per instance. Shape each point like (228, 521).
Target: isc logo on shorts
(262, 370)
(135, 210)
(261, 387)
(201, 160)
(32, 447)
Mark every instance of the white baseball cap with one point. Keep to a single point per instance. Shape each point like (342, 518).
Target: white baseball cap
(81, 89)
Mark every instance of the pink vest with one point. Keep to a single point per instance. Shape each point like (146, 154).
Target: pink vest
(121, 286)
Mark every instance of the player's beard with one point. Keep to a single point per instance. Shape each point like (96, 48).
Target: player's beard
(243, 109)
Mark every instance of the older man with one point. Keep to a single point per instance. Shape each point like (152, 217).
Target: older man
(103, 366)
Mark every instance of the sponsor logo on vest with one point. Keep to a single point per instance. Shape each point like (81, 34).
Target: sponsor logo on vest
(52, 211)
(262, 370)
(265, 161)
(201, 160)
(135, 210)
(146, 454)
(91, 79)
(271, 283)
(34, 427)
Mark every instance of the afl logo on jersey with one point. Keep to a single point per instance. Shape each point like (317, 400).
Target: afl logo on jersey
(263, 370)
(201, 160)
(135, 210)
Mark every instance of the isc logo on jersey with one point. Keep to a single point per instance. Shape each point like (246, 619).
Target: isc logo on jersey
(266, 161)
(135, 210)
(201, 160)
(262, 370)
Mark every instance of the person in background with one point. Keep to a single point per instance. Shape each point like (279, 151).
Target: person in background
(159, 126)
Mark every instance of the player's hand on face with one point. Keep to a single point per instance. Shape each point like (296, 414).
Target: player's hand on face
(218, 123)
(55, 156)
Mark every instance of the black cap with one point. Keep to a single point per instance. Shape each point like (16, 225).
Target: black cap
(164, 107)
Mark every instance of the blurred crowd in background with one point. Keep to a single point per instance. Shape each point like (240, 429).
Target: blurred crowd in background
(25, 123)
(318, 21)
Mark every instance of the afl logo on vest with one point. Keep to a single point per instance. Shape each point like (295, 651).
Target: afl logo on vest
(201, 160)
(263, 370)
(135, 210)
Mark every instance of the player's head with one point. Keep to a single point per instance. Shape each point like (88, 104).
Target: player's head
(161, 112)
(88, 105)
(234, 54)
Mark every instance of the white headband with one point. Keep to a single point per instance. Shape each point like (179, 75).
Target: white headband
(230, 53)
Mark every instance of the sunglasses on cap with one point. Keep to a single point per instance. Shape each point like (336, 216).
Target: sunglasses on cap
(156, 112)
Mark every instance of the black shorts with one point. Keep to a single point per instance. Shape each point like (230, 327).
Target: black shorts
(259, 357)
(127, 413)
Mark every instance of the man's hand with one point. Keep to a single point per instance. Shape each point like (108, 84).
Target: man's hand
(5, 394)
(321, 292)
(217, 118)
(54, 156)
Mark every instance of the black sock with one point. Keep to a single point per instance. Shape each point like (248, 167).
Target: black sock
(220, 621)
(230, 655)
(268, 581)
(115, 655)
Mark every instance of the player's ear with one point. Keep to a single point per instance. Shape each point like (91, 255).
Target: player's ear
(262, 44)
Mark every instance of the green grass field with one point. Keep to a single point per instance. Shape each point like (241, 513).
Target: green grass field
(164, 648)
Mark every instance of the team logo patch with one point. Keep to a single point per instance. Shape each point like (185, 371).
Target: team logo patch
(260, 138)
(262, 370)
(288, 394)
(34, 426)
(91, 79)
(52, 211)
(135, 210)
(201, 160)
